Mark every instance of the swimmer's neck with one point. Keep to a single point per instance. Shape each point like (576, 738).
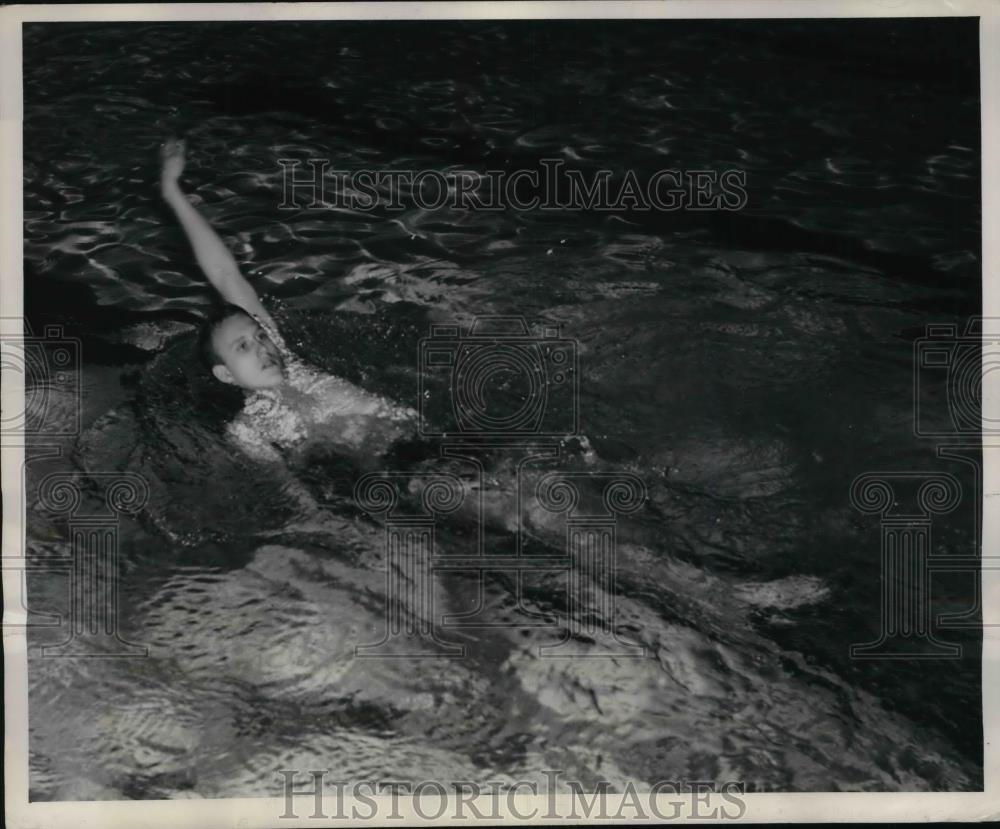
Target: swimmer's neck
(252, 392)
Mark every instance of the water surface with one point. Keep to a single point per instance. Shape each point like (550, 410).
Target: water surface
(747, 366)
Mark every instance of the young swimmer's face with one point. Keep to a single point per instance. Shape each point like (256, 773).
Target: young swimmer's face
(249, 358)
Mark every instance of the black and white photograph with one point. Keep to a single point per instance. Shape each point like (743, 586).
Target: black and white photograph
(542, 416)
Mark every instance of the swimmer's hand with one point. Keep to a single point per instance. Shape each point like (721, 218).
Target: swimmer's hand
(172, 158)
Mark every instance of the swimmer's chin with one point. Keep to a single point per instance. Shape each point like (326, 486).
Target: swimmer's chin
(270, 378)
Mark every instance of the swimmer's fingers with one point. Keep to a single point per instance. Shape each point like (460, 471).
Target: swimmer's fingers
(172, 155)
(172, 146)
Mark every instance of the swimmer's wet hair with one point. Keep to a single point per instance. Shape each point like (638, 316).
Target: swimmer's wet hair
(206, 350)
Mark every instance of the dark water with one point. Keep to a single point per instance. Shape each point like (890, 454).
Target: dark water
(747, 366)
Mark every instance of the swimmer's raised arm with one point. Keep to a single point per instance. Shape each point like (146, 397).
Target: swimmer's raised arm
(213, 256)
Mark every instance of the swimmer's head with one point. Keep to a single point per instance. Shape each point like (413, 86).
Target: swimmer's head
(237, 350)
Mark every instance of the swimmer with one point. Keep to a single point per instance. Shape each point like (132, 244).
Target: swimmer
(288, 404)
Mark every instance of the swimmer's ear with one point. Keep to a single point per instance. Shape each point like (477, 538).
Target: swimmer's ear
(224, 374)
